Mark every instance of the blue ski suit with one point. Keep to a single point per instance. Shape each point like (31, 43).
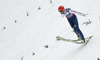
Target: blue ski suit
(72, 19)
(74, 24)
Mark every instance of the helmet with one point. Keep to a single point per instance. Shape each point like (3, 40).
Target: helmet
(60, 8)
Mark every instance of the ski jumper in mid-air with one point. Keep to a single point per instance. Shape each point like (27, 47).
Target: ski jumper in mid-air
(72, 19)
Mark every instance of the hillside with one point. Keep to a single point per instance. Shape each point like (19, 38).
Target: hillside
(28, 30)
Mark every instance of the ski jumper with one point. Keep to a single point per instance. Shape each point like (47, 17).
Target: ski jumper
(72, 19)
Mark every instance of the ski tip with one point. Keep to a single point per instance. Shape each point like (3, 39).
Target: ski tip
(91, 36)
(57, 38)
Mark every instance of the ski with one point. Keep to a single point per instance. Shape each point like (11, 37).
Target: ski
(87, 40)
(77, 41)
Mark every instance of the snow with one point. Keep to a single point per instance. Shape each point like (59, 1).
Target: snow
(26, 39)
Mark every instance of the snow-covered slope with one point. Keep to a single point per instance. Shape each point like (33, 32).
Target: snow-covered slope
(27, 26)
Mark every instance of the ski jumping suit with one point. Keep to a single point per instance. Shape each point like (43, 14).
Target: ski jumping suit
(72, 19)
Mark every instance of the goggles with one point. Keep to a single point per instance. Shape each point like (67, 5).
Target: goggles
(62, 11)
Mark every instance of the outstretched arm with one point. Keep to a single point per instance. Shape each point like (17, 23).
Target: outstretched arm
(79, 13)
